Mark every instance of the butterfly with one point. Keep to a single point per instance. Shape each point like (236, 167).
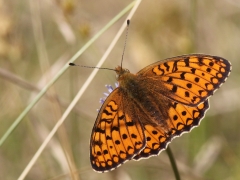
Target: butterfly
(162, 101)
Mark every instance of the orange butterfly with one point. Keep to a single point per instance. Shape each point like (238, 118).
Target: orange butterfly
(148, 109)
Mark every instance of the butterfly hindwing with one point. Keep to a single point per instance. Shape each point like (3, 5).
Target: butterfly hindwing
(188, 79)
(117, 135)
(181, 120)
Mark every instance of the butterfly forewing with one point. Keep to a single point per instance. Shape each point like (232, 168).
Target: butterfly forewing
(189, 79)
(117, 135)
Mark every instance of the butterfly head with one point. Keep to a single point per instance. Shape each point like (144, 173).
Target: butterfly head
(121, 73)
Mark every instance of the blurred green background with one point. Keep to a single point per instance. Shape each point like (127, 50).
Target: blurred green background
(37, 38)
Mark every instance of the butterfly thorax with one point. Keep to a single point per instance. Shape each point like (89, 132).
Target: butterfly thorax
(135, 87)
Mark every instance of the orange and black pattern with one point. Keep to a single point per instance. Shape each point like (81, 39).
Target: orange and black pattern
(148, 109)
(117, 135)
(183, 119)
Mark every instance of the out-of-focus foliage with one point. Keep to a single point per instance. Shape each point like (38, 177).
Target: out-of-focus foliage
(38, 37)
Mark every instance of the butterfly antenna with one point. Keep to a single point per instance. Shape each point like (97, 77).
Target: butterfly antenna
(128, 22)
(73, 64)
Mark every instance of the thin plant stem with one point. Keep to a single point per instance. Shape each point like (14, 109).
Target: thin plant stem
(65, 67)
(173, 163)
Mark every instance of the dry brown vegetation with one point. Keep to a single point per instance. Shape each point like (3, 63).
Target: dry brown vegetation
(37, 38)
